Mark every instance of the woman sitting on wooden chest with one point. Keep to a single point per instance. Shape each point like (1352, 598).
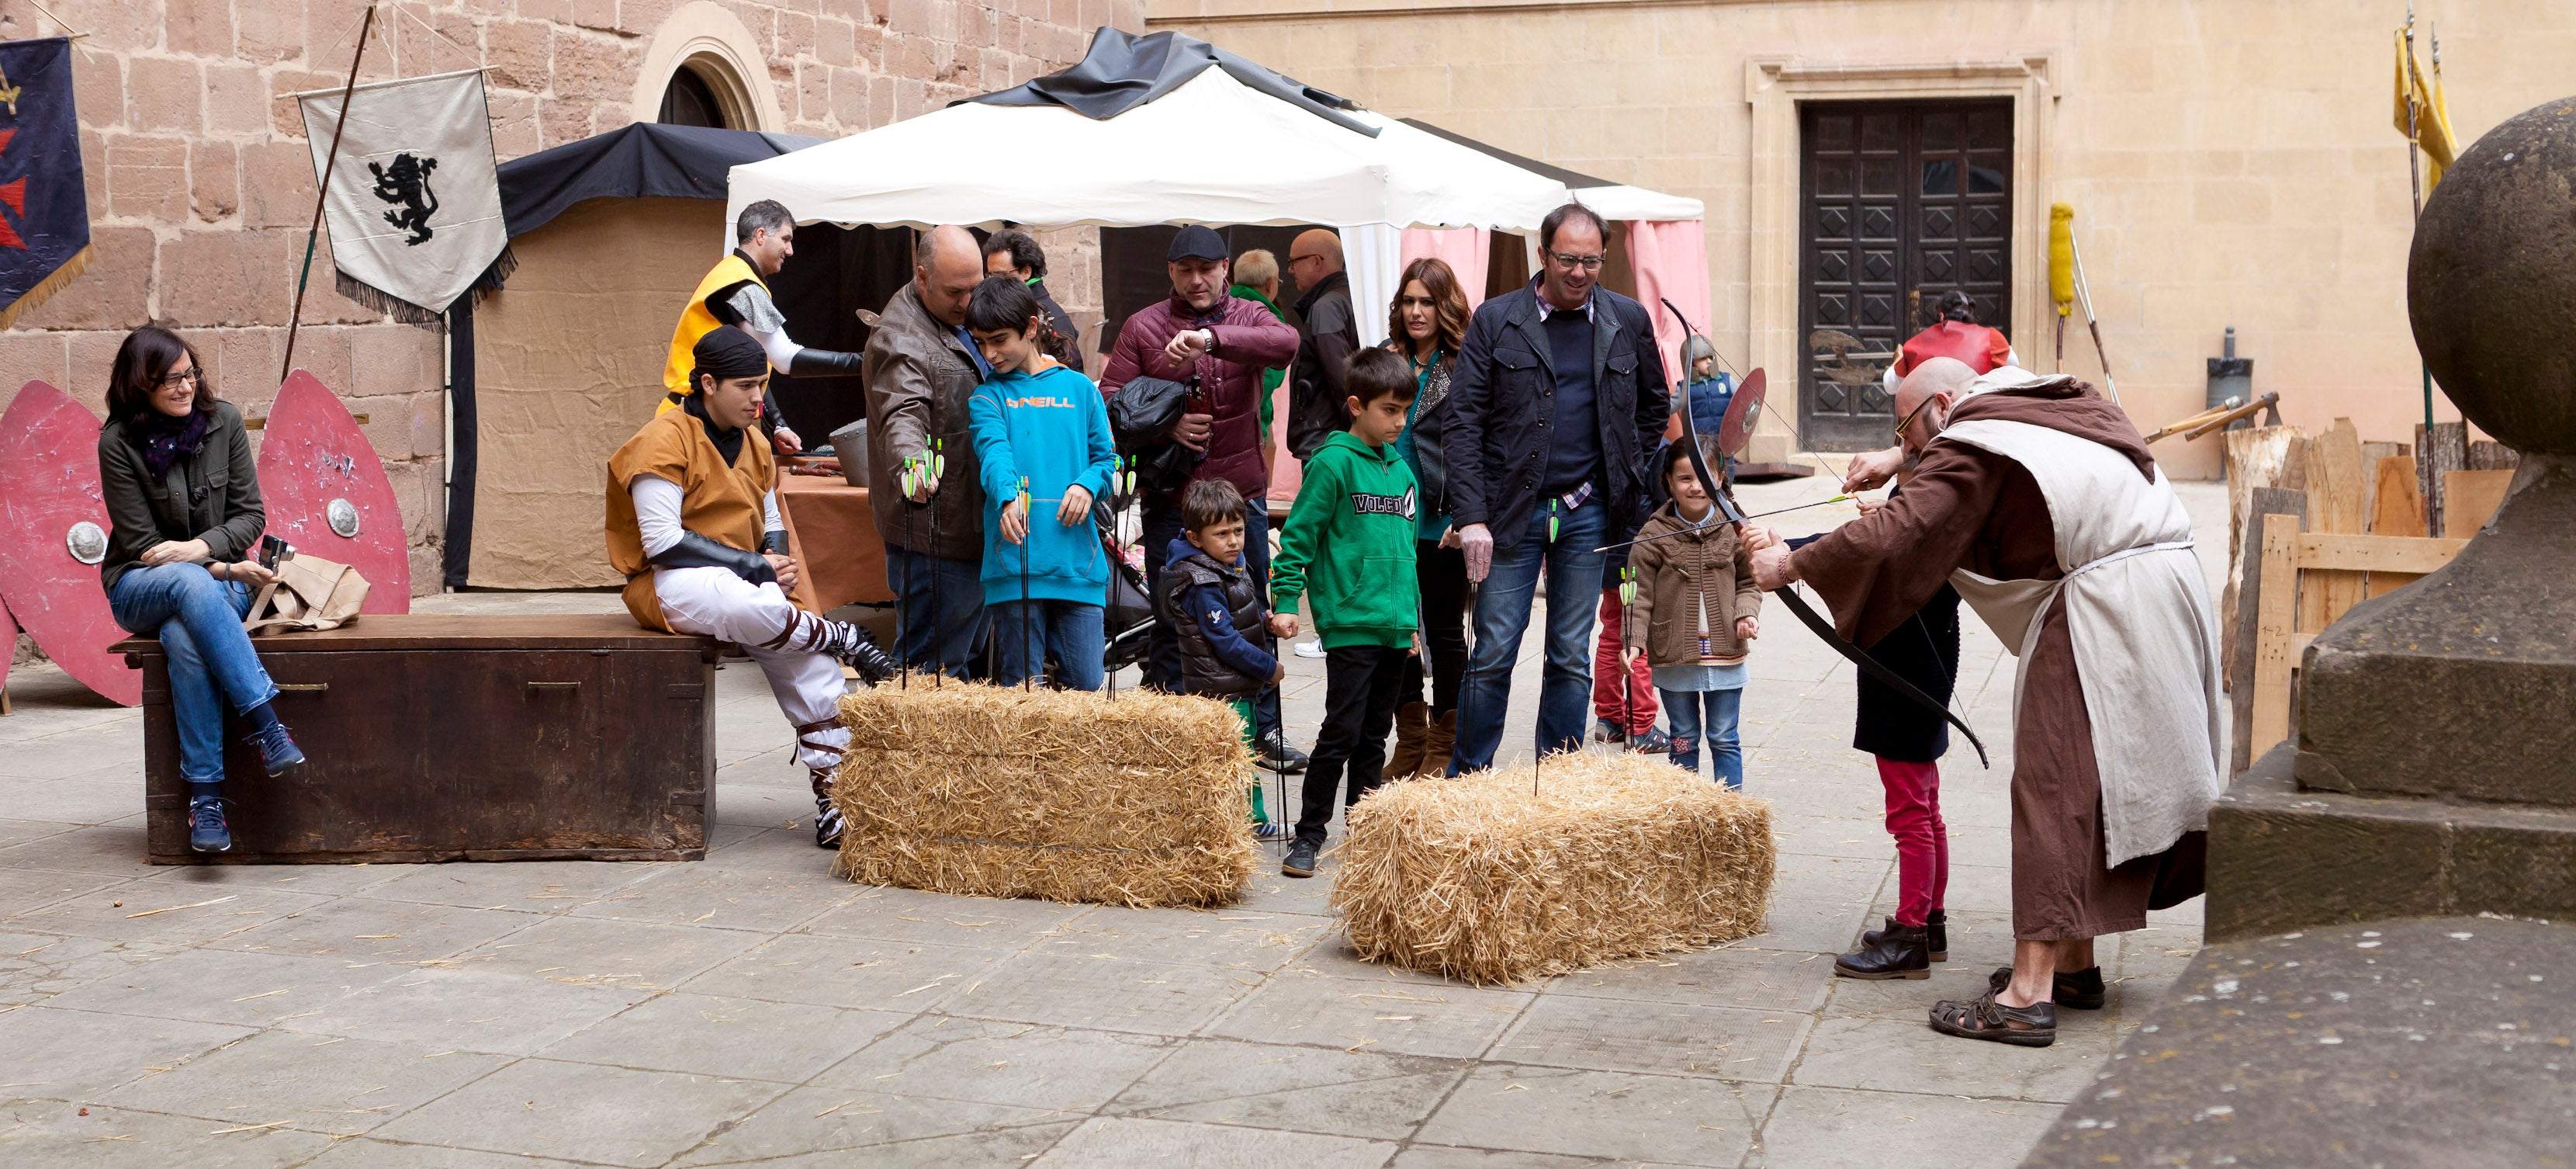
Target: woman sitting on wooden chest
(183, 503)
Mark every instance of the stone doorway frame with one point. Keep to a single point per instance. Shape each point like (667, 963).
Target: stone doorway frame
(709, 39)
(1775, 86)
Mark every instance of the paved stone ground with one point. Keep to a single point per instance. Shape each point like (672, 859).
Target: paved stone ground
(751, 1009)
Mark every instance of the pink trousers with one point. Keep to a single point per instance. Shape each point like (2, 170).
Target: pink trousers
(1611, 699)
(1922, 841)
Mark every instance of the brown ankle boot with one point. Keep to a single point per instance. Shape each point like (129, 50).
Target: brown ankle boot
(1412, 723)
(1437, 739)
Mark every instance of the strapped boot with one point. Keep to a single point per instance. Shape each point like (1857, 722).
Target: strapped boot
(1439, 738)
(827, 815)
(853, 646)
(1412, 728)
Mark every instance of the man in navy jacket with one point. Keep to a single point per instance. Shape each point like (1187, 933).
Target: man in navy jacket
(1559, 398)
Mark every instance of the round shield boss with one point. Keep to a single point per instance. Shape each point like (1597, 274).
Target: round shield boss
(87, 543)
(343, 518)
(1741, 414)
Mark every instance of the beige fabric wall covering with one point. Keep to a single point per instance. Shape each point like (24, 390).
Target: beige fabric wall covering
(569, 364)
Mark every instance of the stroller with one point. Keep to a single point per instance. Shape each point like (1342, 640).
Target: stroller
(1129, 615)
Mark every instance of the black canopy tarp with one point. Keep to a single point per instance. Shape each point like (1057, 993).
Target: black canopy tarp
(1122, 70)
(644, 160)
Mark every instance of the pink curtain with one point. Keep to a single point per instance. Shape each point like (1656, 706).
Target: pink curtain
(1670, 258)
(1464, 248)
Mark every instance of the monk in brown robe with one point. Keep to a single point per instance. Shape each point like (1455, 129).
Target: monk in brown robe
(1974, 504)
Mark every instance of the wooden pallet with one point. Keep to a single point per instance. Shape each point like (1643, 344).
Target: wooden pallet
(2323, 566)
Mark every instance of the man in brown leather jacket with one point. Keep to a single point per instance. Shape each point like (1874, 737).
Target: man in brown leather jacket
(920, 368)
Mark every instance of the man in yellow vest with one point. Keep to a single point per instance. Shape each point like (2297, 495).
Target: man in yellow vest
(735, 293)
(693, 523)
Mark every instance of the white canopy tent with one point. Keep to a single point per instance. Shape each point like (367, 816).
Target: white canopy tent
(1212, 151)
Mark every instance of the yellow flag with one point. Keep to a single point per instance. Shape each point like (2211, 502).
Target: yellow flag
(2430, 117)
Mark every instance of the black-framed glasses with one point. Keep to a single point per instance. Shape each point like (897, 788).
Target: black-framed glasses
(1908, 420)
(1587, 263)
(186, 377)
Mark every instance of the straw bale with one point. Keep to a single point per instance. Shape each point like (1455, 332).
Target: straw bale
(1618, 856)
(996, 792)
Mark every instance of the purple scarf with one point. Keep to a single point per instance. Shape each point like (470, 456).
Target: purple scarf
(166, 439)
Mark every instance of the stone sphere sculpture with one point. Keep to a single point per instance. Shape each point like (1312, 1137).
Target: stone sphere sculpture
(2491, 283)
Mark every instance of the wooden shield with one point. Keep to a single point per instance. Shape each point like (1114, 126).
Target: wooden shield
(328, 495)
(48, 488)
(1741, 413)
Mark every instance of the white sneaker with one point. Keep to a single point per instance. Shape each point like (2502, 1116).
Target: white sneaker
(1311, 649)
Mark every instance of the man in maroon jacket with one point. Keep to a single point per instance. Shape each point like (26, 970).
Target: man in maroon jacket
(1225, 343)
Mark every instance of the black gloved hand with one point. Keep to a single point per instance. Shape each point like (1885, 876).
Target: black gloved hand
(823, 363)
(696, 551)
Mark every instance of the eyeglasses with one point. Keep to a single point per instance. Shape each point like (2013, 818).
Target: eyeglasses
(188, 377)
(1293, 261)
(1908, 420)
(1587, 263)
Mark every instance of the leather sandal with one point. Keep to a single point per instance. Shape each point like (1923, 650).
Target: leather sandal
(2081, 990)
(1984, 1018)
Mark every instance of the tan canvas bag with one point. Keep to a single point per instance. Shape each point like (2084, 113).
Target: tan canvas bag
(310, 593)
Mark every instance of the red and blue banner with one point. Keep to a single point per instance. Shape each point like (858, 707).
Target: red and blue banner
(44, 207)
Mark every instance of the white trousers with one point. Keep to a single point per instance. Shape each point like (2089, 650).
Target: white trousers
(808, 685)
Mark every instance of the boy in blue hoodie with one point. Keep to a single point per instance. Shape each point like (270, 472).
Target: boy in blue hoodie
(1217, 607)
(1348, 544)
(1042, 437)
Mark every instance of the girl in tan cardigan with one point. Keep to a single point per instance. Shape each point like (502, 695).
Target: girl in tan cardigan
(1695, 611)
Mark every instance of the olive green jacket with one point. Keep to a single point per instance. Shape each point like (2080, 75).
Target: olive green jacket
(212, 495)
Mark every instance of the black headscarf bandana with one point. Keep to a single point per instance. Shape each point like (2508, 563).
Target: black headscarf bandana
(726, 353)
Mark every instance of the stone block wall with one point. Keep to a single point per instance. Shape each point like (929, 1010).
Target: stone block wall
(201, 186)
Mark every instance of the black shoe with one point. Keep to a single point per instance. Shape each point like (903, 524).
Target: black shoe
(2081, 990)
(278, 753)
(1936, 924)
(1605, 731)
(206, 829)
(1301, 860)
(1899, 951)
(1277, 755)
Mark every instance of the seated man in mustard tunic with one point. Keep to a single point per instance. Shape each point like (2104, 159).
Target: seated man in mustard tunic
(693, 523)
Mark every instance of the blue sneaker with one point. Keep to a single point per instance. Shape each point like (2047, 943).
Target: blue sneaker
(1269, 832)
(206, 829)
(278, 753)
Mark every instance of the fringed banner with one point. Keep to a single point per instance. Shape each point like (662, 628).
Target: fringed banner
(44, 205)
(414, 203)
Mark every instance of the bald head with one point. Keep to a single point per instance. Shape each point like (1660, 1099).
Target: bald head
(946, 266)
(1939, 380)
(1314, 255)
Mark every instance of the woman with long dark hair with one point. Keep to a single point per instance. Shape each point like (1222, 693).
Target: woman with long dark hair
(182, 498)
(1425, 324)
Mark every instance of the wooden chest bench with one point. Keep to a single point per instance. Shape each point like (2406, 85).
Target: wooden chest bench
(434, 737)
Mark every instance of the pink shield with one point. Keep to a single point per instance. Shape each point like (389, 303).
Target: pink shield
(48, 488)
(327, 494)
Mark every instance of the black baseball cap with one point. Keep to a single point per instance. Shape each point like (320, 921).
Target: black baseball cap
(1195, 242)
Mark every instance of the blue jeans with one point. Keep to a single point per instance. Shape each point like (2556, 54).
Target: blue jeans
(943, 609)
(1572, 562)
(1027, 633)
(199, 622)
(1682, 709)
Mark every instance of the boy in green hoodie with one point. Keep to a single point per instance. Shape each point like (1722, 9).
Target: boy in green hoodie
(1348, 545)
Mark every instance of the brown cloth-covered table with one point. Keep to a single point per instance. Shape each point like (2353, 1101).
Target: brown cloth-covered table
(833, 536)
